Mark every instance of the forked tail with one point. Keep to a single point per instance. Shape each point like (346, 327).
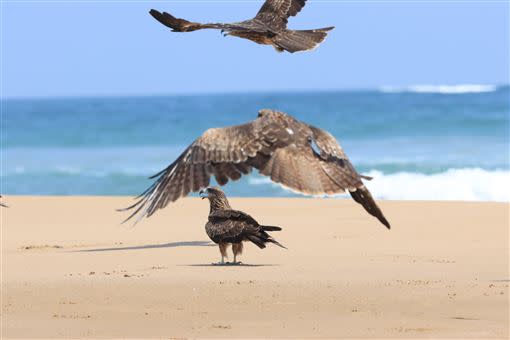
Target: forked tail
(261, 237)
(295, 41)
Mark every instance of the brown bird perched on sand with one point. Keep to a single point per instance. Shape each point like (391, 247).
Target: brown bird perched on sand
(228, 226)
(269, 27)
(299, 156)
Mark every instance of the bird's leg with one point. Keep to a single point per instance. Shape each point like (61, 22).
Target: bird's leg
(223, 251)
(237, 248)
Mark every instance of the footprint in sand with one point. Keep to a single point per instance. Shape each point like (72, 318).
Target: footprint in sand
(221, 326)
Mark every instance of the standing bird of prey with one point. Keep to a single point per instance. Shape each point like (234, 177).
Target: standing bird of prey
(269, 27)
(227, 226)
(294, 154)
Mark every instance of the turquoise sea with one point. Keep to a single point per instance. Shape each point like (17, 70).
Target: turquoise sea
(449, 142)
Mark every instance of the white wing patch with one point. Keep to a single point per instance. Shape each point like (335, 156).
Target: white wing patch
(289, 130)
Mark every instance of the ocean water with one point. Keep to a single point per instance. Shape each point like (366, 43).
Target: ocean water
(419, 142)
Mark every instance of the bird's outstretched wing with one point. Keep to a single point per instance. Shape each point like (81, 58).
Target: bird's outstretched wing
(227, 153)
(333, 154)
(182, 25)
(296, 155)
(319, 167)
(275, 13)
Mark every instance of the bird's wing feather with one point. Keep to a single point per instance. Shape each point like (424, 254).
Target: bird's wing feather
(182, 25)
(319, 168)
(300, 169)
(234, 215)
(227, 153)
(327, 144)
(275, 13)
(230, 225)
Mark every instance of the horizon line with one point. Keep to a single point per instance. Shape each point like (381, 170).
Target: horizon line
(415, 88)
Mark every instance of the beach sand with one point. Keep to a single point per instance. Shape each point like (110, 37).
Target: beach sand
(71, 270)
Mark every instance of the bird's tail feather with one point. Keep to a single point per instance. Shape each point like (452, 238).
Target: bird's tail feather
(363, 197)
(258, 241)
(270, 228)
(261, 238)
(304, 40)
(272, 240)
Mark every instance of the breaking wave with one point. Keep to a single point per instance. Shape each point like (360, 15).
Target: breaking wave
(442, 89)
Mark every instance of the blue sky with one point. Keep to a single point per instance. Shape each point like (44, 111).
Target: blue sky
(93, 48)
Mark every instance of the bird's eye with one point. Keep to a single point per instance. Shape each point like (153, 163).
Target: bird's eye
(263, 112)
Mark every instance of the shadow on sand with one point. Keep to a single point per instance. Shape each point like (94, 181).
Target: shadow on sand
(153, 246)
(228, 265)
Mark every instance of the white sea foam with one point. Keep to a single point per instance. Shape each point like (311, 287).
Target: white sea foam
(471, 184)
(443, 89)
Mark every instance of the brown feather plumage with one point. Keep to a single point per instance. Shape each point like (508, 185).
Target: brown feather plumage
(228, 226)
(296, 155)
(269, 27)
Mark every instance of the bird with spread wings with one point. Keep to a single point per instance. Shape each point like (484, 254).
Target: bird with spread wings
(294, 154)
(269, 27)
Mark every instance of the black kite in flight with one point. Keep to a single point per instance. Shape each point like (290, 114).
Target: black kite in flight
(269, 27)
(294, 154)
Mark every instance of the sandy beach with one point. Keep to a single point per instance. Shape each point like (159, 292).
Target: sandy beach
(71, 270)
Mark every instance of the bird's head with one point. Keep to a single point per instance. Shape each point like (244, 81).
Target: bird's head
(211, 192)
(216, 197)
(271, 113)
(264, 112)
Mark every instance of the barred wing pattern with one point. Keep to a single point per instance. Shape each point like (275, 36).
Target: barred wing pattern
(296, 155)
(182, 25)
(276, 12)
(268, 27)
(227, 153)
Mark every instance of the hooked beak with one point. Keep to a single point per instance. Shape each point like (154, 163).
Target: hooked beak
(202, 193)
